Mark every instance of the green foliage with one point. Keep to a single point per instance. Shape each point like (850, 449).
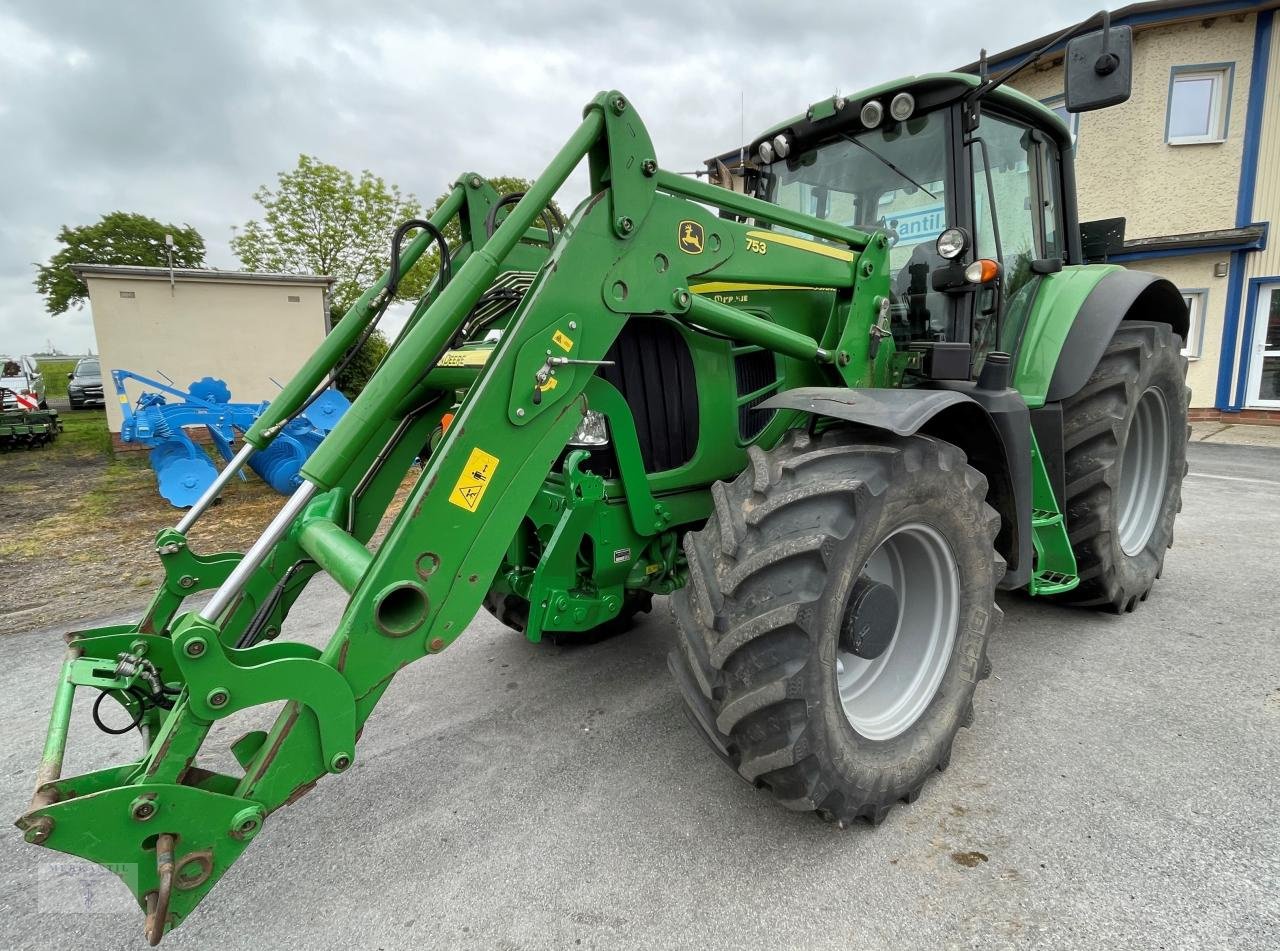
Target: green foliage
(118, 238)
(321, 219)
(356, 374)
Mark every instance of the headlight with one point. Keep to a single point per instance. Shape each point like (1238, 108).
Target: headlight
(872, 113)
(952, 243)
(781, 147)
(902, 106)
(766, 152)
(592, 431)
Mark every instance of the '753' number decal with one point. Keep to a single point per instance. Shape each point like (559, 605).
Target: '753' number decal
(757, 246)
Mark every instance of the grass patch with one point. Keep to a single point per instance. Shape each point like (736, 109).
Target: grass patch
(84, 432)
(55, 376)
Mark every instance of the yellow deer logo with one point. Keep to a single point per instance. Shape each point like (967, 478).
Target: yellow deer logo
(691, 235)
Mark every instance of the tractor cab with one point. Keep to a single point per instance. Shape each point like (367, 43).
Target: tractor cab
(970, 180)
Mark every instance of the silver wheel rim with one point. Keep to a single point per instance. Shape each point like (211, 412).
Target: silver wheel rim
(884, 696)
(1143, 468)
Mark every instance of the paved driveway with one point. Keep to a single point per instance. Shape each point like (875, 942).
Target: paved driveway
(1120, 788)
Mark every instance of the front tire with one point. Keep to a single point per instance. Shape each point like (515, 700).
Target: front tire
(767, 654)
(1125, 435)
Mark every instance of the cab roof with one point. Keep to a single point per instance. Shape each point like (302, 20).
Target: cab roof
(837, 114)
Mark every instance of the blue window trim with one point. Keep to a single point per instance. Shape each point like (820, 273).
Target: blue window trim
(1203, 294)
(1182, 70)
(1250, 327)
(1232, 351)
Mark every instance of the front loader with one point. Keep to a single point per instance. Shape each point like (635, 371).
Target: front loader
(828, 438)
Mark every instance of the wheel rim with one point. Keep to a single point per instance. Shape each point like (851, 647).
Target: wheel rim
(884, 696)
(1143, 468)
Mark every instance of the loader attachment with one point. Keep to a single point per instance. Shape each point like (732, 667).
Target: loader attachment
(170, 827)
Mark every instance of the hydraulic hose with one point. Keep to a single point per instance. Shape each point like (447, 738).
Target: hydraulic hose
(548, 213)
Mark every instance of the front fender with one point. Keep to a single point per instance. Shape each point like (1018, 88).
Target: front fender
(992, 427)
(899, 411)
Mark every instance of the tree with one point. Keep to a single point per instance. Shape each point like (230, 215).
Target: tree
(117, 238)
(321, 219)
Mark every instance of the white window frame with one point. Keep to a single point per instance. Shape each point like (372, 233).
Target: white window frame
(1072, 118)
(1197, 299)
(1222, 76)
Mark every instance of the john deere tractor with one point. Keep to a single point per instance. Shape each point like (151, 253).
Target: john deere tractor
(829, 412)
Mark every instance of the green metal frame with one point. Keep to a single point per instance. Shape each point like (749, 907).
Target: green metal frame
(498, 506)
(490, 472)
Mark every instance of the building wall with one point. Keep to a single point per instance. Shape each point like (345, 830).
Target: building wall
(244, 333)
(1264, 265)
(1123, 164)
(1195, 272)
(1125, 168)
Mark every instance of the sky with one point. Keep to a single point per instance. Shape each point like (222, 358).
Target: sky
(181, 110)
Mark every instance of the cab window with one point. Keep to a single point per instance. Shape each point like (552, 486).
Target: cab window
(893, 177)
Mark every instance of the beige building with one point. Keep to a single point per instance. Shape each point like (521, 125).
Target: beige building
(247, 329)
(1192, 162)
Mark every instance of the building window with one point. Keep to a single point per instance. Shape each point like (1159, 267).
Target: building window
(1059, 105)
(1196, 300)
(1199, 104)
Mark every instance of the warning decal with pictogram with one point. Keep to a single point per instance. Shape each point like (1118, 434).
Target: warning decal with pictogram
(474, 480)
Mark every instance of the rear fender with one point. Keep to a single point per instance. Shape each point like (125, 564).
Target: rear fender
(1075, 314)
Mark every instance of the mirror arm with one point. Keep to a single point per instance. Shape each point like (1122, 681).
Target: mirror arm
(987, 84)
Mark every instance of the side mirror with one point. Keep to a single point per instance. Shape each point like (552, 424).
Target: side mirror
(71, 376)
(1099, 68)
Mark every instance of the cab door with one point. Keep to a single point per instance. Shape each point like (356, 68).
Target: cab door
(1017, 216)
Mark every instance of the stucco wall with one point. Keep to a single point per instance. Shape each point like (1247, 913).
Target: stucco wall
(1123, 165)
(244, 333)
(1195, 272)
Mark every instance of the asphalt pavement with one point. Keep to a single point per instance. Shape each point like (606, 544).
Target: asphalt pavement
(1120, 788)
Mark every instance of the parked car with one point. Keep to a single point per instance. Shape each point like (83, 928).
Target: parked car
(84, 386)
(21, 376)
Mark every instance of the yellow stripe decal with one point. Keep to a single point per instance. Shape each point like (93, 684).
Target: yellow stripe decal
(725, 287)
(791, 241)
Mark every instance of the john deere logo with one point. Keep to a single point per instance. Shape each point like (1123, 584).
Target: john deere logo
(691, 237)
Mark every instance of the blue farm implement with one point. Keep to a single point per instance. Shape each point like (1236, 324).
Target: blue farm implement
(183, 469)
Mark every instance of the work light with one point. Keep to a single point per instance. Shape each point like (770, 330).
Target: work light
(592, 431)
(902, 106)
(781, 147)
(872, 113)
(952, 243)
(766, 153)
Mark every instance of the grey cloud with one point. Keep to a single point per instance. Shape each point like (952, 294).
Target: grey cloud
(180, 111)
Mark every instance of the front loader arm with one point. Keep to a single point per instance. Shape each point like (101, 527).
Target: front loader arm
(628, 249)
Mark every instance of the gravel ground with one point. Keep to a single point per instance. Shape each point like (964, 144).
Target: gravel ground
(1118, 790)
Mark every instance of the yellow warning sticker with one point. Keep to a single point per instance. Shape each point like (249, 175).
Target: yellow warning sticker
(549, 385)
(563, 341)
(465, 358)
(476, 476)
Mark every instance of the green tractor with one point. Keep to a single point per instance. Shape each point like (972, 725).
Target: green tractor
(829, 412)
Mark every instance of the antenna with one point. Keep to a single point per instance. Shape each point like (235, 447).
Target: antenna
(742, 136)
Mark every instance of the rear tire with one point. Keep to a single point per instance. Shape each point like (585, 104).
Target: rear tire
(763, 625)
(1125, 435)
